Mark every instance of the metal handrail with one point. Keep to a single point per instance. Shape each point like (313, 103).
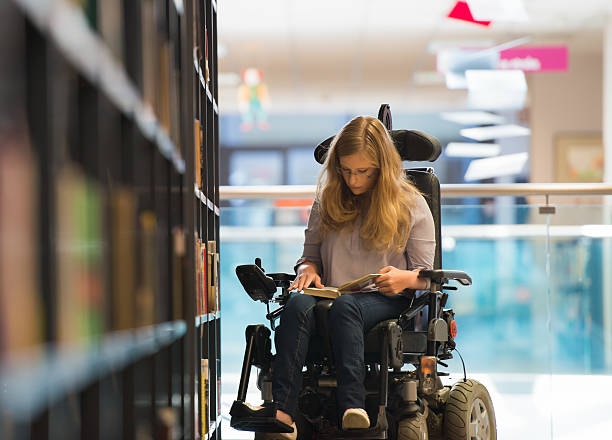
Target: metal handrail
(447, 190)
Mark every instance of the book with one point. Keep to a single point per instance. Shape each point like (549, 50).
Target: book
(197, 135)
(145, 292)
(179, 249)
(21, 308)
(213, 277)
(79, 251)
(361, 284)
(205, 397)
(123, 244)
(168, 423)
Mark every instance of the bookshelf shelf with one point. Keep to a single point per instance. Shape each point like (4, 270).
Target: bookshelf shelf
(180, 9)
(207, 202)
(106, 335)
(203, 319)
(214, 5)
(213, 427)
(39, 377)
(66, 25)
(203, 83)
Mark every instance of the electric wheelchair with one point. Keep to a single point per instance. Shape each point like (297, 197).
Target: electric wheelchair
(405, 397)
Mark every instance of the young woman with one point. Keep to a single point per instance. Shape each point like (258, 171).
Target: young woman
(366, 218)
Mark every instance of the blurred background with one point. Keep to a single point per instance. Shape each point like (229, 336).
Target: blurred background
(517, 91)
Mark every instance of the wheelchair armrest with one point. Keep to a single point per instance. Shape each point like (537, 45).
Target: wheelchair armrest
(282, 279)
(259, 286)
(440, 276)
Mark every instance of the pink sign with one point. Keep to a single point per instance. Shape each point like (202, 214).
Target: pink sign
(534, 59)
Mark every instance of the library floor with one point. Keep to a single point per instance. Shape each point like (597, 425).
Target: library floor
(527, 406)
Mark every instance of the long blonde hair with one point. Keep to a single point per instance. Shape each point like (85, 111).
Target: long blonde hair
(385, 208)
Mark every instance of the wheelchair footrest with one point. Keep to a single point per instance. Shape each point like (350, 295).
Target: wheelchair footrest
(374, 433)
(248, 418)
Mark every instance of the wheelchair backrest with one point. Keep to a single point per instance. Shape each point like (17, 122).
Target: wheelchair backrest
(428, 184)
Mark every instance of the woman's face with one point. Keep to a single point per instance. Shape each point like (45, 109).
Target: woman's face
(358, 172)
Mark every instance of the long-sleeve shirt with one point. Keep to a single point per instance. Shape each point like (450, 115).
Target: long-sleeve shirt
(341, 258)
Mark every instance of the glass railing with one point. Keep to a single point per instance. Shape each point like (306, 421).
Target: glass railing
(535, 326)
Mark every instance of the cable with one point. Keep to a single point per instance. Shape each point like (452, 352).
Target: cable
(462, 363)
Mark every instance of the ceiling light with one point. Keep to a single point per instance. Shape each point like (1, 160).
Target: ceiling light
(496, 89)
(491, 80)
(436, 46)
(495, 132)
(491, 167)
(455, 81)
(509, 11)
(472, 118)
(471, 149)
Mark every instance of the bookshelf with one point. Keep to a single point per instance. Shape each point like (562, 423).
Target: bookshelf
(109, 220)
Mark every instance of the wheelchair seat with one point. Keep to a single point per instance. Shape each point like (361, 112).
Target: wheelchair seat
(412, 342)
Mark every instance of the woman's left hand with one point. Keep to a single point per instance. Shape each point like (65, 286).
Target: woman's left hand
(394, 280)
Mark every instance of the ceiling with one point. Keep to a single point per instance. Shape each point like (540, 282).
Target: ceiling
(350, 55)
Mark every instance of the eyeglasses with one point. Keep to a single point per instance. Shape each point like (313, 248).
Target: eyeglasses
(362, 172)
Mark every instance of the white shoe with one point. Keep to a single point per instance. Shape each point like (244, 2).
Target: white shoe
(355, 418)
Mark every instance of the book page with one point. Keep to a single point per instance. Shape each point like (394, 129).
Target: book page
(365, 282)
(325, 292)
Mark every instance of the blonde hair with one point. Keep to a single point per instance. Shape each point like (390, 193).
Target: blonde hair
(385, 208)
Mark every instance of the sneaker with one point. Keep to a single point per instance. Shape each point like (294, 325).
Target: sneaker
(355, 418)
(277, 435)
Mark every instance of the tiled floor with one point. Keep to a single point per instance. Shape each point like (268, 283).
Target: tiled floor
(527, 406)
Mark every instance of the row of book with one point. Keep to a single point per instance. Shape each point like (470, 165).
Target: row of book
(95, 233)
(207, 277)
(159, 51)
(203, 414)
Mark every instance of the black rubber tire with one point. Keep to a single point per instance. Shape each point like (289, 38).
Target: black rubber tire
(412, 428)
(469, 405)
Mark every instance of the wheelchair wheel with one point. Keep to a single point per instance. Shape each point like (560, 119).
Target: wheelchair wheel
(469, 413)
(412, 428)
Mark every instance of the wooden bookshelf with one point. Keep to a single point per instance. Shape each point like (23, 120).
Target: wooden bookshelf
(109, 235)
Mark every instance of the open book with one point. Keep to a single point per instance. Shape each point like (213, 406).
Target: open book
(361, 284)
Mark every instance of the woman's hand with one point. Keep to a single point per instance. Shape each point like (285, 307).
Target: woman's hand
(394, 280)
(306, 275)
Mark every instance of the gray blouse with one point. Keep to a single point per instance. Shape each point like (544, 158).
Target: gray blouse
(341, 258)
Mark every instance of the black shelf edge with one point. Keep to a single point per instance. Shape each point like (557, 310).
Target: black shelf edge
(67, 27)
(214, 5)
(206, 201)
(207, 317)
(36, 379)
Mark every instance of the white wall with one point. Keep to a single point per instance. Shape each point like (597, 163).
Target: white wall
(563, 103)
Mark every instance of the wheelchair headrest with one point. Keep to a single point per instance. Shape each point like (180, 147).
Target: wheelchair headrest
(411, 145)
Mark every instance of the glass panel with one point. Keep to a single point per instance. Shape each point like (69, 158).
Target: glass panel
(535, 327)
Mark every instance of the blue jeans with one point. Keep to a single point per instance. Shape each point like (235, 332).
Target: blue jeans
(350, 317)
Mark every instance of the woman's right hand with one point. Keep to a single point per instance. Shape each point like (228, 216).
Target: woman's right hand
(306, 275)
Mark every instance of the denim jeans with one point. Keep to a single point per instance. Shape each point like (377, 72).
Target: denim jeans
(350, 317)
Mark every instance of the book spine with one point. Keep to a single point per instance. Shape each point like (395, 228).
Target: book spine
(145, 296)
(178, 256)
(20, 304)
(123, 244)
(213, 264)
(205, 396)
